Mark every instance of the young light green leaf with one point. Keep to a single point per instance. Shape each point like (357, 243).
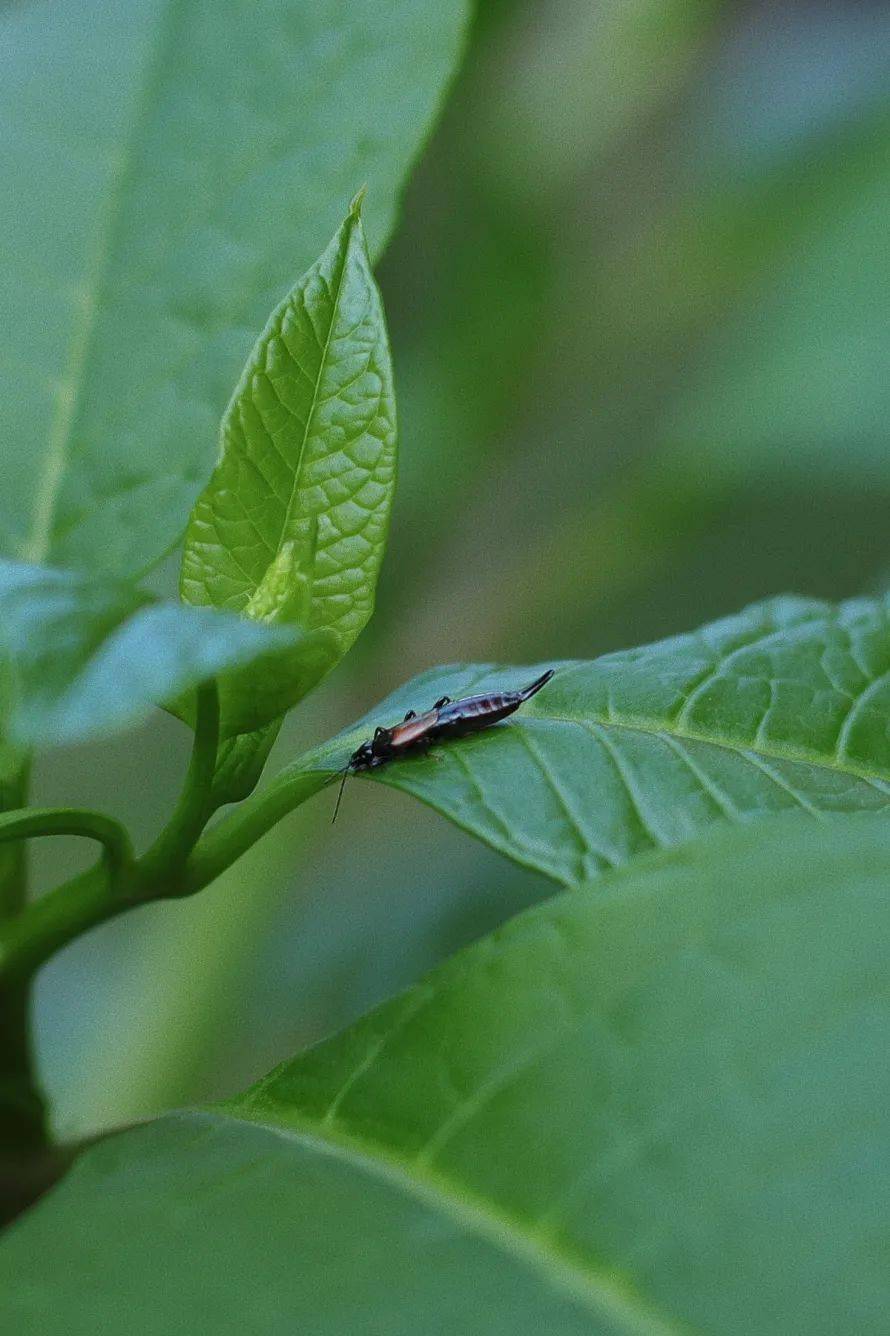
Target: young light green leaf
(168, 168)
(292, 525)
(255, 695)
(650, 1106)
(81, 656)
(285, 592)
(784, 705)
(305, 478)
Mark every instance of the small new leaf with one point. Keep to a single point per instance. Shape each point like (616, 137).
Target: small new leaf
(292, 526)
(285, 591)
(305, 477)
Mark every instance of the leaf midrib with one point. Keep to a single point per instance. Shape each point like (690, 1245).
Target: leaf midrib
(36, 547)
(313, 407)
(621, 1308)
(773, 752)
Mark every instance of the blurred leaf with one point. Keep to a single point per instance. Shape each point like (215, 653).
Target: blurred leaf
(292, 525)
(650, 1106)
(780, 82)
(169, 167)
(783, 705)
(262, 687)
(791, 381)
(81, 656)
(612, 63)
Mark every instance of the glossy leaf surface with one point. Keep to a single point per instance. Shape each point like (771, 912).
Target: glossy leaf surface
(307, 459)
(292, 525)
(81, 657)
(784, 705)
(652, 1106)
(170, 166)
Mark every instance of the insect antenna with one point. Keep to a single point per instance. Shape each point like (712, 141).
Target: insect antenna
(345, 773)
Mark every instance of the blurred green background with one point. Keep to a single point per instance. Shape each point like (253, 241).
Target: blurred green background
(639, 306)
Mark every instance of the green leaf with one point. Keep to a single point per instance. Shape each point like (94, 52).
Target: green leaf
(81, 656)
(783, 705)
(168, 168)
(655, 1105)
(292, 525)
(240, 764)
(262, 687)
(259, 692)
(307, 461)
(793, 383)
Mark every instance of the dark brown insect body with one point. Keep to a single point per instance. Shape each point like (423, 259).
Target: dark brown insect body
(447, 719)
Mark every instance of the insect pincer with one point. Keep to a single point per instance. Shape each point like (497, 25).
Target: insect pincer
(535, 686)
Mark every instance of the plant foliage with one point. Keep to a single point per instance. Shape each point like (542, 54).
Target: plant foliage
(655, 1101)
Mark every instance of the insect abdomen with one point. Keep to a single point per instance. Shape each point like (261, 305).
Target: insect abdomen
(475, 712)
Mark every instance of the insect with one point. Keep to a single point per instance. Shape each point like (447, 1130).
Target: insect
(447, 719)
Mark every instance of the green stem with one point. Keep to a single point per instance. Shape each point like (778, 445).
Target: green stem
(13, 875)
(22, 1110)
(252, 819)
(116, 884)
(55, 920)
(93, 898)
(195, 805)
(31, 822)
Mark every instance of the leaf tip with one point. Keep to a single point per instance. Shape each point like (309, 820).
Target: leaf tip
(355, 206)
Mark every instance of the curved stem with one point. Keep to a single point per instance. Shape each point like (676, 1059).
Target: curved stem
(13, 872)
(226, 842)
(31, 822)
(195, 806)
(22, 1110)
(178, 864)
(55, 920)
(100, 894)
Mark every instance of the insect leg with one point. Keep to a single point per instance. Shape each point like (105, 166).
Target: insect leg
(441, 702)
(412, 714)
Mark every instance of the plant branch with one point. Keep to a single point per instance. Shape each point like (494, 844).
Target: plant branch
(168, 870)
(55, 920)
(32, 822)
(224, 843)
(22, 1109)
(13, 881)
(195, 805)
(116, 883)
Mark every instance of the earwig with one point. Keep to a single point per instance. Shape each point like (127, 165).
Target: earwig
(446, 719)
